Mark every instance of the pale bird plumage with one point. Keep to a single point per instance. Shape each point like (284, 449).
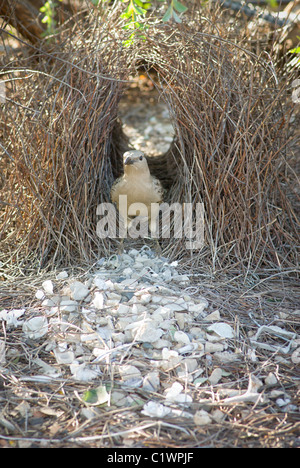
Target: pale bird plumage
(138, 185)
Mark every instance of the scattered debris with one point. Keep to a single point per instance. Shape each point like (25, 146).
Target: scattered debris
(132, 337)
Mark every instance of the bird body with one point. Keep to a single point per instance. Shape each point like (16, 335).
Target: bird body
(139, 186)
(142, 193)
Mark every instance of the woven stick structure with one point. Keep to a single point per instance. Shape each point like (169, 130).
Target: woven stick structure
(63, 142)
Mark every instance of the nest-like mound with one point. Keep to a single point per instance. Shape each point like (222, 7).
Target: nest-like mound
(63, 143)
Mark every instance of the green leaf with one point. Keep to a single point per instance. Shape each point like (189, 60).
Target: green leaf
(139, 11)
(96, 396)
(179, 6)
(141, 4)
(176, 17)
(295, 51)
(168, 14)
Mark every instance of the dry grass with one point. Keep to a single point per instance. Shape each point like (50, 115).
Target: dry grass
(63, 143)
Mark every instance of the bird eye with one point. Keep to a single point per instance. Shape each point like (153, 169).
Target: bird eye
(141, 158)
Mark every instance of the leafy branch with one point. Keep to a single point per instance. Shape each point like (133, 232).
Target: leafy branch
(137, 10)
(134, 13)
(173, 11)
(49, 16)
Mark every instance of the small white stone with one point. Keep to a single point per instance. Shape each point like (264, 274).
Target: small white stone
(105, 333)
(222, 329)
(145, 331)
(180, 319)
(175, 389)
(199, 307)
(182, 279)
(68, 306)
(156, 299)
(155, 410)
(98, 300)
(167, 275)
(11, 317)
(213, 317)
(271, 379)
(64, 357)
(118, 338)
(296, 356)
(175, 307)
(62, 275)
(170, 359)
(138, 309)
(151, 382)
(189, 348)
(160, 344)
(162, 311)
(213, 347)
(123, 309)
(145, 298)
(217, 415)
(48, 303)
(215, 376)
(189, 365)
(100, 283)
(48, 286)
(40, 294)
(35, 327)
(78, 291)
(127, 272)
(181, 337)
(83, 373)
(202, 418)
(127, 371)
(175, 394)
(133, 253)
(226, 356)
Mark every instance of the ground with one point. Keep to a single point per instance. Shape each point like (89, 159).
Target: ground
(138, 352)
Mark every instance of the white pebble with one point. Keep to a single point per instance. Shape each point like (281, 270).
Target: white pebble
(213, 317)
(64, 357)
(202, 418)
(199, 307)
(213, 347)
(215, 376)
(40, 294)
(222, 329)
(270, 379)
(98, 300)
(35, 327)
(123, 309)
(62, 275)
(78, 291)
(181, 337)
(48, 286)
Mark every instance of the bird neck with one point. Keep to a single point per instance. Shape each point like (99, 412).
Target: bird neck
(141, 173)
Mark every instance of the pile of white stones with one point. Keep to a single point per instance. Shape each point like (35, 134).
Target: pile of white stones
(131, 322)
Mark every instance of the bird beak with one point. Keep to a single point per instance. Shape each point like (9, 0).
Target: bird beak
(128, 161)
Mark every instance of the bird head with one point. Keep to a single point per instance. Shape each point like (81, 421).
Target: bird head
(135, 162)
